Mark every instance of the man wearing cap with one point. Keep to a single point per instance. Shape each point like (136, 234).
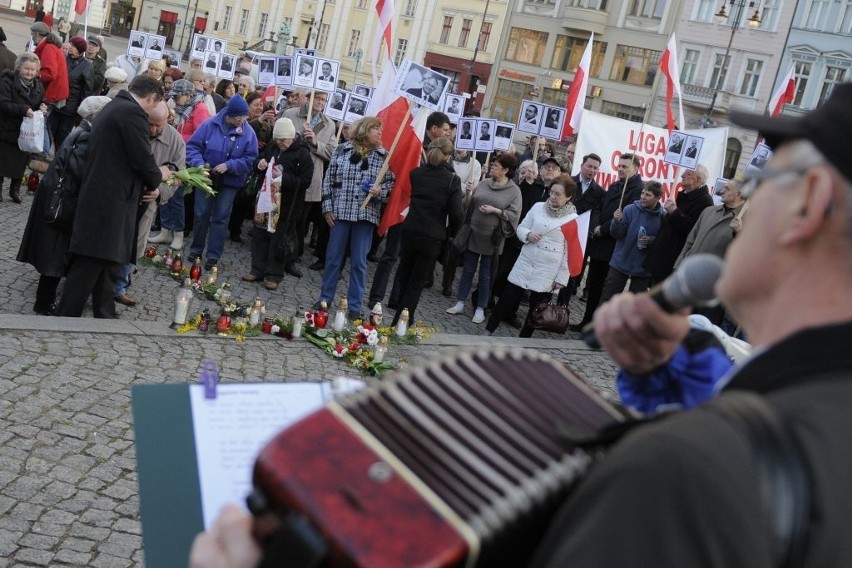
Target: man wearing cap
(93, 48)
(688, 491)
(273, 241)
(121, 171)
(79, 87)
(53, 71)
(229, 145)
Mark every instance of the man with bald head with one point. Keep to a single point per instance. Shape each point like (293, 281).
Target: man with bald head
(169, 149)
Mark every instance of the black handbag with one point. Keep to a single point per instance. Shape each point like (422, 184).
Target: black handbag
(61, 205)
(549, 315)
(463, 234)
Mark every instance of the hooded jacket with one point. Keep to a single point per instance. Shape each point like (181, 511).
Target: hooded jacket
(216, 142)
(53, 71)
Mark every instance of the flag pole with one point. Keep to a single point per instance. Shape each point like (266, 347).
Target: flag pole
(402, 126)
(86, 22)
(641, 128)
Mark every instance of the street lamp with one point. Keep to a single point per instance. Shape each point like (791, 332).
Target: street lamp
(738, 9)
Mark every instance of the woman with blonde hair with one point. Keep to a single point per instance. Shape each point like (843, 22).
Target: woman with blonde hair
(156, 68)
(352, 175)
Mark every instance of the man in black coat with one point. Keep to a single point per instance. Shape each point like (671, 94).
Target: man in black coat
(590, 197)
(120, 168)
(601, 244)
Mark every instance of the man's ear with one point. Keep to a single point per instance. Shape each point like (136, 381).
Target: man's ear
(815, 207)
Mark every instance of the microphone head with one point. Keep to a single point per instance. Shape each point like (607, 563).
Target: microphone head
(693, 283)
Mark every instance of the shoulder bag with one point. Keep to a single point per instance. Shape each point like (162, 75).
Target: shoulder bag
(549, 315)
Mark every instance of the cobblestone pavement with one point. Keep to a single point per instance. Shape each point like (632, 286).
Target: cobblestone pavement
(68, 488)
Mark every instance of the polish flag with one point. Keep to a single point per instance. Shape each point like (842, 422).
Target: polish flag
(576, 234)
(270, 94)
(393, 110)
(577, 95)
(785, 94)
(668, 65)
(384, 30)
(80, 6)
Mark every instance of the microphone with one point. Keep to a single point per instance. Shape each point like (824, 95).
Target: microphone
(691, 285)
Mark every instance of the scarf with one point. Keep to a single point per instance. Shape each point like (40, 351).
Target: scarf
(26, 84)
(182, 113)
(553, 211)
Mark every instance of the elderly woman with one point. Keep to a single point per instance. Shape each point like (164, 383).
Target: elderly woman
(229, 146)
(496, 209)
(80, 85)
(115, 81)
(352, 175)
(542, 266)
(21, 93)
(45, 245)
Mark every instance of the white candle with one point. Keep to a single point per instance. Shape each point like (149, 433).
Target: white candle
(181, 308)
(297, 327)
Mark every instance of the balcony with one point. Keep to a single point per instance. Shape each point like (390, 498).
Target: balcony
(701, 97)
(585, 19)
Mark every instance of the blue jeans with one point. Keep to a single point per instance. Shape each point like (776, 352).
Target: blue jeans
(471, 259)
(211, 213)
(123, 280)
(171, 212)
(357, 236)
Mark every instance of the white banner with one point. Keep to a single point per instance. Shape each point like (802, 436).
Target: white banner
(610, 137)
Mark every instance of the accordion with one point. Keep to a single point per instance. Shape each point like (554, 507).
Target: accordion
(461, 462)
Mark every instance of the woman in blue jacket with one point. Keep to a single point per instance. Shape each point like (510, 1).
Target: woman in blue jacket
(229, 146)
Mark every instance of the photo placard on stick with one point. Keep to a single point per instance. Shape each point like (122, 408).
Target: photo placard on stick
(335, 107)
(306, 69)
(355, 108)
(503, 135)
(453, 107)
(530, 118)
(304, 51)
(175, 57)
(363, 90)
(465, 133)
(485, 128)
(211, 61)
(327, 75)
(137, 43)
(421, 85)
(202, 43)
(692, 151)
(284, 71)
(226, 66)
(554, 120)
(758, 159)
(155, 46)
(684, 150)
(266, 70)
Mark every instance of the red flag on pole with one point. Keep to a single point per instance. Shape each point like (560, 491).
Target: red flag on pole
(577, 95)
(668, 65)
(576, 233)
(384, 30)
(785, 94)
(80, 6)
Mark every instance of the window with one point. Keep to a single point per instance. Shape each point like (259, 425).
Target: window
(446, 29)
(322, 41)
(226, 21)
(733, 151)
(846, 18)
(361, 4)
(690, 66)
(652, 9)
(399, 55)
(590, 4)
(484, 36)
(555, 97)
(354, 40)
(634, 114)
(802, 73)
(465, 32)
(507, 100)
(833, 76)
(635, 65)
(410, 8)
(453, 85)
(720, 71)
(569, 50)
(816, 13)
(751, 77)
(768, 15)
(261, 28)
(705, 10)
(243, 22)
(526, 46)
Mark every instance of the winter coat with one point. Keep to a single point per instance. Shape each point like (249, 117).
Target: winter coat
(80, 83)
(14, 103)
(217, 142)
(591, 200)
(343, 186)
(676, 227)
(627, 257)
(120, 167)
(197, 116)
(436, 194)
(43, 245)
(541, 264)
(601, 247)
(711, 234)
(506, 196)
(131, 64)
(325, 143)
(7, 58)
(99, 67)
(297, 170)
(53, 71)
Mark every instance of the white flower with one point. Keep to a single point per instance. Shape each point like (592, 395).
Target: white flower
(372, 338)
(275, 329)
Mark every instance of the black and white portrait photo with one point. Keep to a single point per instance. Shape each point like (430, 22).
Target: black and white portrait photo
(553, 119)
(211, 61)
(226, 66)
(529, 120)
(363, 90)
(465, 134)
(266, 69)
(284, 71)
(327, 75)
(454, 106)
(421, 85)
(305, 71)
(356, 107)
(336, 105)
(155, 46)
(503, 135)
(485, 134)
(137, 43)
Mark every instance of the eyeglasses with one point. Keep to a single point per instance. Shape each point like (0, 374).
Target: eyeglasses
(755, 178)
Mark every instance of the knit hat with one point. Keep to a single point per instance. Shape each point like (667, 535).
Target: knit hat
(237, 106)
(116, 75)
(94, 39)
(40, 27)
(92, 105)
(283, 129)
(182, 87)
(80, 43)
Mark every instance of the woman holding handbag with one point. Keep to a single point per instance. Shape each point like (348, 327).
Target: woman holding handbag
(496, 209)
(542, 266)
(21, 94)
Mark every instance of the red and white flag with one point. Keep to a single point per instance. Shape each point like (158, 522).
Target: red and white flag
(80, 6)
(785, 94)
(668, 65)
(393, 110)
(384, 29)
(576, 234)
(577, 94)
